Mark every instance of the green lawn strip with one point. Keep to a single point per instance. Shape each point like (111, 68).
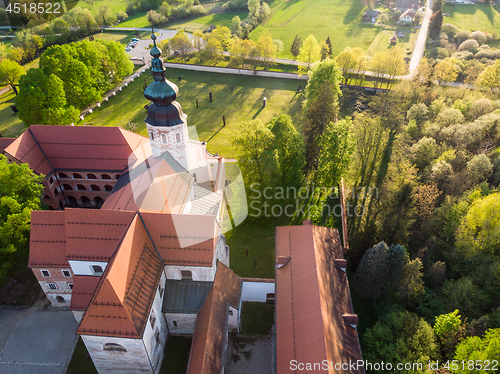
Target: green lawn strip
(137, 20)
(176, 355)
(203, 23)
(256, 318)
(341, 20)
(114, 5)
(238, 107)
(79, 363)
(482, 17)
(10, 125)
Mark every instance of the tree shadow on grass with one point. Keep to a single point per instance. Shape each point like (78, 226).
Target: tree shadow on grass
(353, 12)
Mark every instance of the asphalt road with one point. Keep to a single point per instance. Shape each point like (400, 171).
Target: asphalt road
(419, 49)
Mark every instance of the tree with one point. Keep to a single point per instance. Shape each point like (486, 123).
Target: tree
(290, 150)
(478, 233)
(400, 336)
(198, 40)
(267, 48)
(42, 101)
(445, 71)
(309, 52)
(395, 64)
(223, 35)
(435, 24)
(240, 50)
(449, 330)
(321, 72)
(463, 294)
(437, 5)
(213, 49)
(165, 10)
(104, 15)
(10, 72)
(347, 62)
(336, 146)
(490, 77)
(329, 44)
(479, 168)
(181, 43)
(479, 350)
(155, 18)
(236, 28)
(325, 50)
(380, 66)
(20, 190)
(296, 45)
(279, 46)
(17, 54)
(256, 153)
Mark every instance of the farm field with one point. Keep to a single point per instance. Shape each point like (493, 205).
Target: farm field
(240, 106)
(341, 20)
(482, 17)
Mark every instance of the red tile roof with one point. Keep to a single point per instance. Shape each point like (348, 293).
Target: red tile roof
(311, 297)
(120, 306)
(75, 148)
(209, 339)
(83, 289)
(47, 239)
(5, 142)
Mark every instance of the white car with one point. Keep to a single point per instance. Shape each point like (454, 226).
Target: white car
(128, 49)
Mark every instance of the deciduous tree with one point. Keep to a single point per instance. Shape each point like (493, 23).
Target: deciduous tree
(267, 48)
(10, 72)
(309, 52)
(181, 43)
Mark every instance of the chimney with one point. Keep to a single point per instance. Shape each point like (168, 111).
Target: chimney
(351, 319)
(282, 261)
(340, 264)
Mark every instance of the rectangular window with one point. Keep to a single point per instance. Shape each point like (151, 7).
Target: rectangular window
(52, 286)
(66, 273)
(230, 312)
(96, 270)
(157, 337)
(45, 273)
(160, 290)
(152, 319)
(186, 275)
(70, 285)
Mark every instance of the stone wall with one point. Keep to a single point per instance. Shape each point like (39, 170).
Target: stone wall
(60, 296)
(181, 323)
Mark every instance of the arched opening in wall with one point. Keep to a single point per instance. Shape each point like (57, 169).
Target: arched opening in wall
(164, 139)
(60, 299)
(71, 201)
(63, 175)
(56, 191)
(91, 176)
(86, 202)
(66, 187)
(51, 207)
(98, 202)
(46, 197)
(108, 188)
(80, 187)
(117, 176)
(61, 206)
(151, 135)
(95, 187)
(77, 176)
(51, 180)
(178, 138)
(105, 176)
(113, 347)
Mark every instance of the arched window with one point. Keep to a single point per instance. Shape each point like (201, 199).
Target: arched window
(164, 139)
(108, 188)
(113, 347)
(117, 176)
(151, 135)
(63, 175)
(71, 201)
(91, 176)
(94, 187)
(105, 176)
(98, 202)
(178, 137)
(80, 187)
(46, 197)
(86, 201)
(51, 180)
(66, 187)
(56, 191)
(60, 299)
(77, 176)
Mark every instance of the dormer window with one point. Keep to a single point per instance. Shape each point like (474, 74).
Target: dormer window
(96, 270)
(164, 139)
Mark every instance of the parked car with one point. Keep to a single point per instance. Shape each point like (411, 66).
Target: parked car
(128, 49)
(135, 39)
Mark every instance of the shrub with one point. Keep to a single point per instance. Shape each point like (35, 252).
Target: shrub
(462, 36)
(480, 107)
(469, 45)
(449, 29)
(479, 36)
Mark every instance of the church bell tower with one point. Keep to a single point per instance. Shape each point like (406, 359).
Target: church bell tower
(166, 122)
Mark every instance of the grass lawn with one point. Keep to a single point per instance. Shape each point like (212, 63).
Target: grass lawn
(203, 23)
(238, 107)
(481, 17)
(115, 36)
(137, 20)
(339, 19)
(79, 363)
(256, 318)
(10, 125)
(381, 41)
(176, 355)
(114, 5)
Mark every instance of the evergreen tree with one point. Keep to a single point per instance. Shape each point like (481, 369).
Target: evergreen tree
(329, 44)
(295, 48)
(435, 24)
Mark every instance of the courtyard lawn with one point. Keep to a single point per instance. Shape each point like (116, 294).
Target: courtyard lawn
(256, 318)
(240, 106)
(482, 17)
(79, 363)
(203, 23)
(10, 125)
(176, 355)
(339, 19)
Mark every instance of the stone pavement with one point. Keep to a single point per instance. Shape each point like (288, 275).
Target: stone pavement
(36, 341)
(250, 355)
